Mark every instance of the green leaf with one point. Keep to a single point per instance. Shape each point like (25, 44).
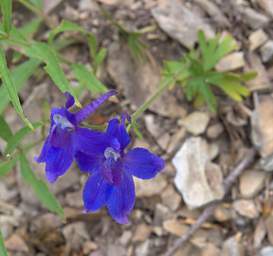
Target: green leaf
(92, 44)
(136, 46)
(209, 97)
(88, 79)
(37, 3)
(6, 8)
(100, 56)
(39, 187)
(5, 131)
(48, 55)
(10, 87)
(13, 142)
(3, 251)
(64, 26)
(6, 166)
(30, 28)
(19, 76)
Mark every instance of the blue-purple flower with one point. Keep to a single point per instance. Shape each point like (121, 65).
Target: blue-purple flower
(112, 169)
(66, 137)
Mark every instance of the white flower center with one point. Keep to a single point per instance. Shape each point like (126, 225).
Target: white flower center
(111, 153)
(62, 122)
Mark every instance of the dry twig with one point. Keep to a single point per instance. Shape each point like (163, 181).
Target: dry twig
(209, 210)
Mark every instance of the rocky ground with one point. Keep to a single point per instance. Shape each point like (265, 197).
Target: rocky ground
(200, 148)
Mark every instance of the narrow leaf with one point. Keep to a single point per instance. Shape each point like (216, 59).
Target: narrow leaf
(30, 28)
(5, 131)
(19, 76)
(11, 89)
(88, 79)
(39, 187)
(6, 8)
(18, 136)
(3, 251)
(6, 167)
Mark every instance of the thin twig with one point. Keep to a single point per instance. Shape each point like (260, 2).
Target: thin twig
(209, 210)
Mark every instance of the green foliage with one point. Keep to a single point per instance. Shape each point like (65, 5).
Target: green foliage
(196, 73)
(10, 87)
(3, 251)
(136, 46)
(39, 187)
(6, 166)
(6, 9)
(5, 132)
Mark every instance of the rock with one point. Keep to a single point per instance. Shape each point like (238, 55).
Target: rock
(170, 13)
(257, 39)
(201, 182)
(211, 250)
(74, 199)
(261, 81)
(269, 228)
(142, 233)
(232, 247)
(254, 19)
(146, 188)
(88, 247)
(125, 237)
(267, 5)
(215, 130)
(114, 249)
(161, 213)
(176, 140)
(196, 122)
(139, 80)
(222, 214)
(175, 227)
(259, 233)
(246, 208)
(251, 182)
(231, 62)
(266, 251)
(16, 244)
(267, 51)
(170, 198)
(47, 221)
(262, 130)
(75, 234)
(214, 12)
(142, 249)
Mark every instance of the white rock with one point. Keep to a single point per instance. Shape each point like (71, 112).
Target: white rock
(196, 122)
(256, 39)
(267, 51)
(198, 180)
(266, 251)
(246, 208)
(214, 131)
(232, 61)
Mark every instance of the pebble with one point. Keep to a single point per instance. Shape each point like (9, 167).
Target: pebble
(196, 122)
(171, 198)
(16, 244)
(232, 247)
(201, 182)
(267, 5)
(142, 233)
(257, 39)
(269, 228)
(246, 208)
(266, 251)
(231, 62)
(267, 51)
(253, 18)
(175, 227)
(251, 182)
(214, 131)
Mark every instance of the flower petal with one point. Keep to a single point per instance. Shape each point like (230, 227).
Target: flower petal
(90, 142)
(143, 164)
(96, 192)
(118, 130)
(122, 199)
(69, 100)
(90, 108)
(58, 160)
(42, 157)
(90, 162)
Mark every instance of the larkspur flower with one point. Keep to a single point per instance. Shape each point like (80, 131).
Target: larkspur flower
(112, 169)
(66, 137)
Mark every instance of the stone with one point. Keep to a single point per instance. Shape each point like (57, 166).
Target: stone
(139, 80)
(233, 247)
(266, 251)
(211, 250)
(142, 233)
(169, 13)
(259, 233)
(257, 39)
(262, 130)
(175, 227)
(196, 122)
(147, 188)
(176, 140)
(251, 182)
(231, 62)
(267, 51)
(171, 198)
(222, 214)
(16, 244)
(88, 247)
(269, 228)
(215, 130)
(201, 182)
(142, 249)
(253, 18)
(125, 237)
(246, 208)
(261, 81)
(267, 5)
